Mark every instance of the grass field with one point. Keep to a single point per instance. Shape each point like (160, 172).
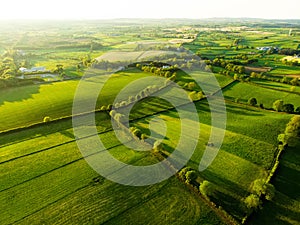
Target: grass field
(276, 85)
(247, 150)
(72, 190)
(30, 104)
(46, 180)
(267, 97)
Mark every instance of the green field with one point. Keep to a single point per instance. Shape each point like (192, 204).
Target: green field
(30, 104)
(56, 159)
(46, 180)
(267, 97)
(278, 86)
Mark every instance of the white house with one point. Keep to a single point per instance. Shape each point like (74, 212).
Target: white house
(33, 69)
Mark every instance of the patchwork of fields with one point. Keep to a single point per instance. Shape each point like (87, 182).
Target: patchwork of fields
(46, 180)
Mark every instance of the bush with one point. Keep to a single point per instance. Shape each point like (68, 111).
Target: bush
(277, 105)
(289, 108)
(103, 108)
(137, 132)
(252, 202)
(252, 101)
(46, 119)
(191, 176)
(206, 188)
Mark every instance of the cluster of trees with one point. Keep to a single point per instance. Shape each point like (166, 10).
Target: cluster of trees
(291, 135)
(279, 106)
(106, 108)
(142, 94)
(102, 64)
(261, 189)
(195, 96)
(168, 72)
(10, 62)
(188, 175)
(228, 65)
(118, 117)
(285, 80)
(288, 51)
(291, 62)
(136, 132)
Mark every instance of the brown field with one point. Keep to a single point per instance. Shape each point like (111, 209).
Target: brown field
(250, 69)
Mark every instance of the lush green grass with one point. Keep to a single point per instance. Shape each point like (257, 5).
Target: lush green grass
(245, 91)
(246, 154)
(277, 85)
(26, 105)
(56, 186)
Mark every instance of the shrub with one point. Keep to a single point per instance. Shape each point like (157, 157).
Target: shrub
(46, 119)
(191, 176)
(206, 188)
(289, 108)
(252, 202)
(103, 108)
(252, 101)
(137, 132)
(277, 105)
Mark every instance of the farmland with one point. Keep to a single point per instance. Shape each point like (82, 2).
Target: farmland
(45, 176)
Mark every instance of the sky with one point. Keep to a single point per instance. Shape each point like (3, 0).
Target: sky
(107, 9)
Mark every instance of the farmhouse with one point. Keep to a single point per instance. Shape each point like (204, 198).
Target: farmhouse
(267, 48)
(33, 69)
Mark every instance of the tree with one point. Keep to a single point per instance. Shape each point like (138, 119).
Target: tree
(119, 117)
(277, 105)
(292, 131)
(294, 82)
(191, 85)
(183, 172)
(144, 136)
(46, 119)
(252, 202)
(207, 188)
(103, 108)
(252, 101)
(261, 188)
(297, 110)
(158, 146)
(289, 108)
(109, 107)
(137, 132)
(191, 176)
(112, 113)
(236, 77)
(284, 80)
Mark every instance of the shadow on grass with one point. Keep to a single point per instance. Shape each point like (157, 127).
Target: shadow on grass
(286, 182)
(18, 94)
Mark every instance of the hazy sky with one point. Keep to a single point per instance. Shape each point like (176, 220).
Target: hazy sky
(103, 9)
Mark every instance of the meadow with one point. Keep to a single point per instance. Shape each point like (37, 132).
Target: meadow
(267, 97)
(46, 180)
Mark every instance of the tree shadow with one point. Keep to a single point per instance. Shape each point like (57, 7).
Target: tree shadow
(18, 94)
